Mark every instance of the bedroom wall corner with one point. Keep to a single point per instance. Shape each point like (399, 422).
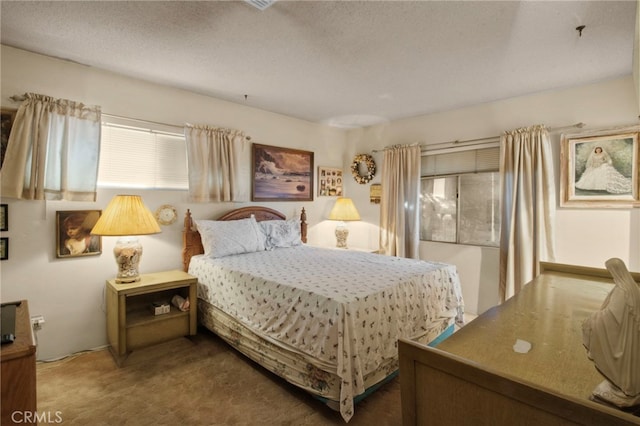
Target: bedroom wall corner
(69, 292)
(615, 106)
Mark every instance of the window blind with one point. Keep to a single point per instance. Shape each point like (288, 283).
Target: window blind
(469, 161)
(132, 157)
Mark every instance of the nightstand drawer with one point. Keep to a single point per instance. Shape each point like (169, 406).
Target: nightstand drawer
(159, 329)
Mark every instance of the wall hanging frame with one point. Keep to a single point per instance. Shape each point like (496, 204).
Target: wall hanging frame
(73, 233)
(330, 181)
(166, 214)
(600, 169)
(4, 248)
(4, 217)
(281, 174)
(375, 193)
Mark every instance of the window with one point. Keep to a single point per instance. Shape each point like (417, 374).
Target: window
(134, 157)
(479, 205)
(439, 202)
(460, 198)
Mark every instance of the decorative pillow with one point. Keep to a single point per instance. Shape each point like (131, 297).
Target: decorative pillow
(281, 233)
(224, 238)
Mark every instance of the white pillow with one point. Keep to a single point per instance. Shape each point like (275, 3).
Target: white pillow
(281, 233)
(224, 238)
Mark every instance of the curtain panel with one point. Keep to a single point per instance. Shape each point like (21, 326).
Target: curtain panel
(528, 199)
(53, 151)
(399, 204)
(214, 158)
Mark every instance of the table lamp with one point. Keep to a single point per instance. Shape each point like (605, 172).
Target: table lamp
(126, 216)
(343, 211)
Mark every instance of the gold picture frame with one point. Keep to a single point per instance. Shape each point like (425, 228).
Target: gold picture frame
(73, 233)
(600, 169)
(281, 174)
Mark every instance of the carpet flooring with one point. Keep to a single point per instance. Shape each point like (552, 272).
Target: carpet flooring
(197, 381)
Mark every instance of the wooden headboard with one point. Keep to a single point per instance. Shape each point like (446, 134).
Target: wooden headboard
(192, 243)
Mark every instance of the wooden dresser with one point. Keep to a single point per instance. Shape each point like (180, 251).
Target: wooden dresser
(18, 374)
(476, 378)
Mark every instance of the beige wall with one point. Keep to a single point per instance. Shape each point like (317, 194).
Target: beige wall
(69, 292)
(583, 236)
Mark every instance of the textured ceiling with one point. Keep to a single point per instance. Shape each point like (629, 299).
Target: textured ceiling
(345, 63)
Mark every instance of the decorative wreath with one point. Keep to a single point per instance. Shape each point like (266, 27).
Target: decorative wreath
(355, 168)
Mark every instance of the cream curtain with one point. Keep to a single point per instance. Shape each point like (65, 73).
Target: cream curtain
(399, 205)
(528, 206)
(53, 151)
(215, 160)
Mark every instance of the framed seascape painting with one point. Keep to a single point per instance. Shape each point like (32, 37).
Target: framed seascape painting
(600, 170)
(329, 182)
(73, 233)
(281, 174)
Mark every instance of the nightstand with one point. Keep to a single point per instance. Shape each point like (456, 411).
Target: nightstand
(131, 323)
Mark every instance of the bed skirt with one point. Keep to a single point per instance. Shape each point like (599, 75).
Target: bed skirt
(317, 377)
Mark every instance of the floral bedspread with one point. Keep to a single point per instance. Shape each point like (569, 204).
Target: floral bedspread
(344, 308)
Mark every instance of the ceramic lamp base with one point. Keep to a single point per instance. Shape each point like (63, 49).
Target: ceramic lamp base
(128, 252)
(341, 236)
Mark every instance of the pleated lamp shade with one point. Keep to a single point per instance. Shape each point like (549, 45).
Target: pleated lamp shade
(126, 216)
(344, 210)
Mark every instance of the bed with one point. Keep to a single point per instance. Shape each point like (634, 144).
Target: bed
(476, 377)
(326, 320)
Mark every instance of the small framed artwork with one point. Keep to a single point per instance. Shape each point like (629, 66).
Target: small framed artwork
(4, 248)
(600, 170)
(375, 193)
(4, 217)
(329, 182)
(281, 174)
(73, 233)
(6, 122)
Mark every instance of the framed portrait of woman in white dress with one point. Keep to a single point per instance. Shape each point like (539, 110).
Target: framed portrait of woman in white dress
(600, 169)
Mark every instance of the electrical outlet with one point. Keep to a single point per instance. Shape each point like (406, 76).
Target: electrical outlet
(37, 321)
